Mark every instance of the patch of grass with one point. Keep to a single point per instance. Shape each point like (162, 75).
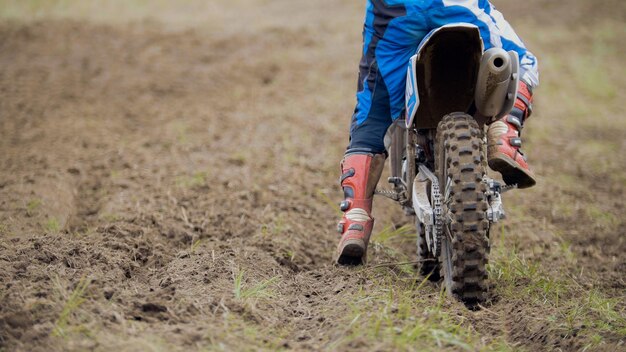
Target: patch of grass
(4, 229)
(606, 311)
(238, 334)
(278, 231)
(599, 154)
(275, 229)
(326, 199)
(565, 248)
(76, 298)
(182, 133)
(593, 79)
(32, 206)
(390, 241)
(52, 225)
(289, 254)
(390, 233)
(571, 309)
(195, 180)
(238, 158)
(407, 316)
(618, 178)
(509, 268)
(194, 246)
(601, 217)
(592, 316)
(261, 290)
(110, 217)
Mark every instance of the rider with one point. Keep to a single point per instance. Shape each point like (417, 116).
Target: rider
(392, 32)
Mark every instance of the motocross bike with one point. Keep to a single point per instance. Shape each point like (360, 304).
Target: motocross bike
(438, 154)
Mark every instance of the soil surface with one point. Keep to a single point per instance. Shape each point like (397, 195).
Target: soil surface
(146, 168)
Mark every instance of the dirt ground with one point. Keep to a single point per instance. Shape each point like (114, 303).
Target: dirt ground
(168, 181)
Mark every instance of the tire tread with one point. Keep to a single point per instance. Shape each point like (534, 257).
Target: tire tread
(459, 139)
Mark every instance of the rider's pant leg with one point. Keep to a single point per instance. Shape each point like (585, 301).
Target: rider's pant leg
(391, 35)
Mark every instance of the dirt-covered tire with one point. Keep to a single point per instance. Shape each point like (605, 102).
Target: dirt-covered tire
(428, 265)
(459, 157)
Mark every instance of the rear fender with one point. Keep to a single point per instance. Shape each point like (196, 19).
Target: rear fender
(441, 76)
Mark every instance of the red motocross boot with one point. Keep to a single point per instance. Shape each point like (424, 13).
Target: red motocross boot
(504, 142)
(359, 175)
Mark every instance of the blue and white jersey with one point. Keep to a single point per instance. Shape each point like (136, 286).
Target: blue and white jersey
(498, 33)
(392, 31)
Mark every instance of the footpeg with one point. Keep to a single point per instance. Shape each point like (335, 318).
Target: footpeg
(496, 212)
(399, 194)
(393, 195)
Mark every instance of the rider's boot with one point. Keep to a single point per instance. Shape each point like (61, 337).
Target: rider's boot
(504, 142)
(360, 173)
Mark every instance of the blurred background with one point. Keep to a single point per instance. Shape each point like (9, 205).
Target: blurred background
(168, 181)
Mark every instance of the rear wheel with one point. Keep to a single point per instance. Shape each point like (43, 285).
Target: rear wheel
(460, 167)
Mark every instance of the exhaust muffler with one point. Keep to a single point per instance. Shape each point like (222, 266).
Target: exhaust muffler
(496, 87)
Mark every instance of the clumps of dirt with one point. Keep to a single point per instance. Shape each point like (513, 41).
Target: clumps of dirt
(115, 134)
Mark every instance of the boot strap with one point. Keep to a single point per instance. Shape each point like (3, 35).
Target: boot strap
(345, 175)
(515, 121)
